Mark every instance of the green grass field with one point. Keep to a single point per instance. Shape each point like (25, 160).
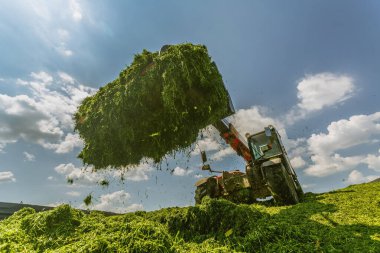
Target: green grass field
(346, 220)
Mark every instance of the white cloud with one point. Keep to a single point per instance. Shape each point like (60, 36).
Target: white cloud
(7, 176)
(76, 10)
(139, 172)
(4, 143)
(65, 168)
(223, 153)
(373, 162)
(50, 178)
(43, 77)
(63, 34)
(61, 44)
(253, 120)
(117, 202)
(18, 105)
(294, 147)
(77, 93)
(40, 9)
(73, 193)
(207, 144)
(324, 89)
(29, 157)
(50, 25)
(66, 77)
(316, 92)
(45, 116)
(208, 140)
(80, 176)
(178, 171)
(68, 144)
(87, 176)
(325, 165)
(342, 135)
(62, 50)
(297, 162)
(356, 177)
(45, 19)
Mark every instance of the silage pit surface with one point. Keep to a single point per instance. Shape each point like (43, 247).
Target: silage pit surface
(346, 220)
(65, 229)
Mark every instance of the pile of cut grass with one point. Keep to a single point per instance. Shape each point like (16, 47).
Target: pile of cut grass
(346, 220)
(156, 106)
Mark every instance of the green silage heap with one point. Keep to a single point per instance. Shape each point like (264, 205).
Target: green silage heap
(156, 106)
(346, 220)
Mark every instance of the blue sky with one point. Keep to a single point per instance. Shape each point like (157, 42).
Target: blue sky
(311, 68)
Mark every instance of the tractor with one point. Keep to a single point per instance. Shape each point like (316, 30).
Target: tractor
(268, 172)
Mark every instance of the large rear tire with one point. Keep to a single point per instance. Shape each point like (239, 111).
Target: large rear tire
(281, 185)
(299, 190)
(208, 188)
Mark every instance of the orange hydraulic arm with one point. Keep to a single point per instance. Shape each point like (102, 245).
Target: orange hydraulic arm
(232, 137)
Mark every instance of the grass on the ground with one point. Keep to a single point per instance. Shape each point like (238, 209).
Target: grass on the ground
(346, 220)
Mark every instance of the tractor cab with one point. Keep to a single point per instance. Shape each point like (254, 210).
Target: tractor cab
(270, 171)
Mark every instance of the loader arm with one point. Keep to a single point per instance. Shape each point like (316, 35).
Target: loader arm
(232, 137)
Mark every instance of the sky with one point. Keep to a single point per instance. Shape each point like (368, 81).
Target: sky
(310, 68)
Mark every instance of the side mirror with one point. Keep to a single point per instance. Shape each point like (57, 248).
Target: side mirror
(268, 132)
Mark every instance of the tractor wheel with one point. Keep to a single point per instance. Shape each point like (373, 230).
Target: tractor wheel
(280, 185)
(299, 190)
(209, 188)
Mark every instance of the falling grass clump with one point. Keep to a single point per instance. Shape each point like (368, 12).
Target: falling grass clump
(104, 183)
(156, 106)
(88, 200)
(346, 220)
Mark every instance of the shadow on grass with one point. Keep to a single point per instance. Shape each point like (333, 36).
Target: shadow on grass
(305, 227)
(310, 227)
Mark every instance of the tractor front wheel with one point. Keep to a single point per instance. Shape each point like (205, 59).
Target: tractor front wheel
(280, 185)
